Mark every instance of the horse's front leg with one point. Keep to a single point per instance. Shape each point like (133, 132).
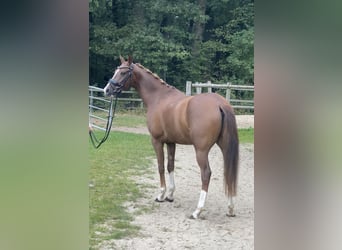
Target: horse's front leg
(171, 149)
(158, 148)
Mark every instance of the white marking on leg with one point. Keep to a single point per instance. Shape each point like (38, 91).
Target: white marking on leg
(200, 205)
(172, 186)
(230, 206)
(161, 195)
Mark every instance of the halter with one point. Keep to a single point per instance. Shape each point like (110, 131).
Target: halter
(116, 84)
(111, 112)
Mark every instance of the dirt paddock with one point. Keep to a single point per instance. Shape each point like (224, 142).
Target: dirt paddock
(168, 225)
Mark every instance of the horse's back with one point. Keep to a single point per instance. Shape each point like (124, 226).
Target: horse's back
(206, 106)
(210, 99)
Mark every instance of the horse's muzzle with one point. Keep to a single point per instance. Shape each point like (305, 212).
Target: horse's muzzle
(116, 86)
(117, 90)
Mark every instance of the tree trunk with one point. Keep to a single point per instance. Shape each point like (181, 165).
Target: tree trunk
(199, 29)
(138, 13)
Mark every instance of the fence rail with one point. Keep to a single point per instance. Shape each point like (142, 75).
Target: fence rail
(93, 90)
(228, 87)
(97, 121)
(99, 105)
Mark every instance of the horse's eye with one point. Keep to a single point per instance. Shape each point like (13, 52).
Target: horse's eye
(122, 73)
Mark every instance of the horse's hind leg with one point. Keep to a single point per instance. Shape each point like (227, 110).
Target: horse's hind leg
(231, 212)
(158, 147)
(202, 160)
(171, 149)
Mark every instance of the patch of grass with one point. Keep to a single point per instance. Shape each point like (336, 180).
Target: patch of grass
(112, 170)
(246, 135)
(122, 119)
(129, 120)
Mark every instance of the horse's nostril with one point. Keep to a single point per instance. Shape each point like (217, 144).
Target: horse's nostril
(107, 90)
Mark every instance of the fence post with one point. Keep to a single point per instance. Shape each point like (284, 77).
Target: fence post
(91, 101)
(198, 89)
(228, 92)
(188, 88)
(209, 88)
(228, 87)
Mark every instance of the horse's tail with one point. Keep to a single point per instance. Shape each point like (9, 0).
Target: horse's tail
(229, 144)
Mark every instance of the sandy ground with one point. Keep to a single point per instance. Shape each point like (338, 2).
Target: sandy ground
(168, 225)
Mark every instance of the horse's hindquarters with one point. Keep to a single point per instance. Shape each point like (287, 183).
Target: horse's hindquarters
(205, 121)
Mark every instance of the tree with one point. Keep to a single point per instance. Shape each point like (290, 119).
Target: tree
(195, 40)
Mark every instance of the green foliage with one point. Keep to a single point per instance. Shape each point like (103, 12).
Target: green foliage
(237, 39)
(178, 40)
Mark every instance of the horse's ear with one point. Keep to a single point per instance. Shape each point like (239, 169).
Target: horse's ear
(122, 59)
(130, 60)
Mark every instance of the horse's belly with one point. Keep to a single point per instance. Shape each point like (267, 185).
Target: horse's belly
(177, 129)
(178, 138)
(171, 137)
(169, 123)
(173, 132)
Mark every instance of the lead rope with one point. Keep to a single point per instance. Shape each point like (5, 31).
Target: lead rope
(97, 143)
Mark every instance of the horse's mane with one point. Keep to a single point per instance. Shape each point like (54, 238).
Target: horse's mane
(153, 74)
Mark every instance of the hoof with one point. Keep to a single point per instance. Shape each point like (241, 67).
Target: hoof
(192, 217)
(156, 200)
(169, 200)
(231, 211)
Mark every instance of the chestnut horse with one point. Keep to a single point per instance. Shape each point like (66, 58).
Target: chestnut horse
(172, 117)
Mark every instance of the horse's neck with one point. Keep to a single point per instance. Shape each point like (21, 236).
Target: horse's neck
(151, 90)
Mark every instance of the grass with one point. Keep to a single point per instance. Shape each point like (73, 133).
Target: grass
(125, 119)
(246, 135)
(129, 120)
(112, 170)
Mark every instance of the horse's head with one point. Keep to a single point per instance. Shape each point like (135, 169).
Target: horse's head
(121, 79)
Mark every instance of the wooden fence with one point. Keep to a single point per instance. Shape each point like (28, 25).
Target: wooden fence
(228, 87)
(131, 100)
